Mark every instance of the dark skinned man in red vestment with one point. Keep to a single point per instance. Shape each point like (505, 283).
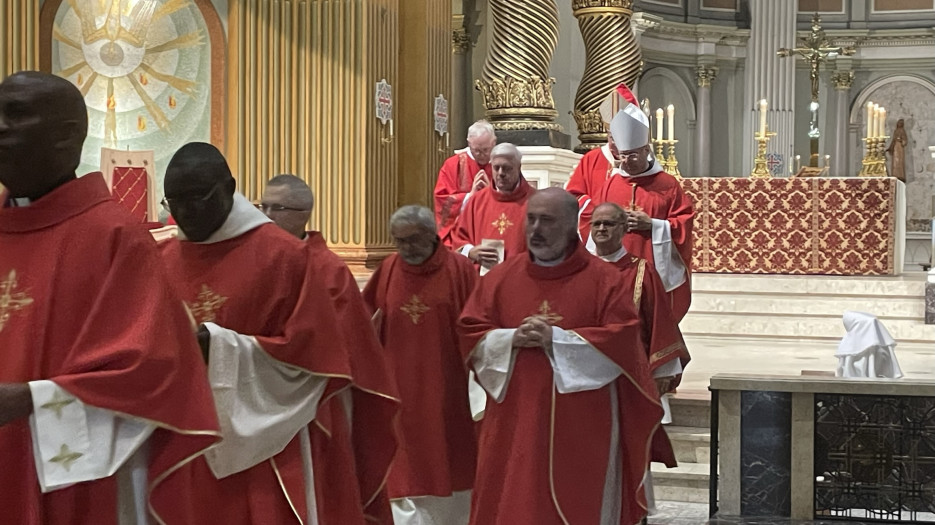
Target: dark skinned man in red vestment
(97, 355)
(660, 215)
(271, 340)
(554, 339)
(288, 201)
(490, 228)
(417, 295)
(461, 176)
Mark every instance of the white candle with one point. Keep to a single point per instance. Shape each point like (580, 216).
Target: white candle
(876, 120)
(882, 121)
(659, 124)
(869, 119)
(827, 161)
(763, 106)
(670, 113)
(447, 140)
(798, 163)
(391, 127)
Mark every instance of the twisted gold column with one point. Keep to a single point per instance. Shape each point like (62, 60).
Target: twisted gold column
(19, 36)
(516, 84)
(612, 56)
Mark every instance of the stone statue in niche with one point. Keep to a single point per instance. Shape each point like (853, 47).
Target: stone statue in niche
(897, 150)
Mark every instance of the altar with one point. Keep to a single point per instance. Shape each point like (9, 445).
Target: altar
(798, 226)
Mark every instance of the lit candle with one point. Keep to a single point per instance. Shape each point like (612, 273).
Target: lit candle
(798, 163)
(876, 120)
(670, 113)
(659, 124)
(869, 119)
(827, 161)
(763, 107)
(882, 121)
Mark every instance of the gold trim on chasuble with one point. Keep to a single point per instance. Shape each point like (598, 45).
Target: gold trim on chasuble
(11, 301)
(502, 223)
(638, 287)
(414, 309)
(545, 313)
(205, 308)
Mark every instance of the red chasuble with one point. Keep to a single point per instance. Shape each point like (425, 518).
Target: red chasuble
(543, 456)
(494, 215)
(421, 305)
(585, 184)
(454, 183)
(374, 401)
(257, 284)
(660, 333)
(83, 303)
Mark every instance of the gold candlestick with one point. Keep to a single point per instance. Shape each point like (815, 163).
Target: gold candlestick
(867, 163)
(760, 171)
(659, 143)
(671, 164)
(882, 170)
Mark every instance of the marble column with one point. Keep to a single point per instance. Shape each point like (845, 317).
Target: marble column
(842, 80)
(460, 107)
(301, 81)
(772, 26)
(704, 75)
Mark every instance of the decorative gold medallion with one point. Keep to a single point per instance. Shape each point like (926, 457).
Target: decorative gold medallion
(205, 309)
(502, 223)
(546, 313)
(414, 309)
(66, 457)
(11, 301)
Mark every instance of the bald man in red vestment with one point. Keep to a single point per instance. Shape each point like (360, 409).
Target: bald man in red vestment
(367, 439)
(490, 229)
(96, 354)
(553, 338)
(660, 214)
(417, 295)
(462, 176)
(271, 340)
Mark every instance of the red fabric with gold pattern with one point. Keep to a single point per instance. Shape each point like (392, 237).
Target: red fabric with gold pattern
(131, 191)
(820, 226)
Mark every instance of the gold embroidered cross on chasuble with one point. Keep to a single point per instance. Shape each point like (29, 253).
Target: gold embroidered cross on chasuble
(502, 223)
(11, 300)
(415, 308)
(205, 309)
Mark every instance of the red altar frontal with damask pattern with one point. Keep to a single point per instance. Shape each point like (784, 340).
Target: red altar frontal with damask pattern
(798, 226)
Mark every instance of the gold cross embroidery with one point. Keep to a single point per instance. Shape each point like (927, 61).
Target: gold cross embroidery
(546, 313)
(57, 403)
(414, 309)
(502, 223)
(9, 301)
(66, 457)
(205, 309)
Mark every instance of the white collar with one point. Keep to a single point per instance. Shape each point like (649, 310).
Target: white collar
(21, 202)
(654, 169)
(243, 218)
(614, 257)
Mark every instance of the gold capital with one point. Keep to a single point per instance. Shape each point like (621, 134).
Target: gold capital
(705, 75)
(460, 41)
(842, 80)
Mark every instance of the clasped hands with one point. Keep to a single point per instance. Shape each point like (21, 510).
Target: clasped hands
(638, 220)
(534, 331)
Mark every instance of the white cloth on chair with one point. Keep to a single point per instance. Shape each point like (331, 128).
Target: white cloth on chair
(867, 349)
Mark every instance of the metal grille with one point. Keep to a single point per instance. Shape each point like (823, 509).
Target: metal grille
(875, 458)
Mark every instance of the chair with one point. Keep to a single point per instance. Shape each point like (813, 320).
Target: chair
(131, 179)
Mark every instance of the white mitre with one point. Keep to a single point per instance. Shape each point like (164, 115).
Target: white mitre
(630, 128)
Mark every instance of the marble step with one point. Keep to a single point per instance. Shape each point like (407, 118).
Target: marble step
(815, 327)
(906, 285)
(691, 444)
(691, 408)
(686, 483)
(734, 302)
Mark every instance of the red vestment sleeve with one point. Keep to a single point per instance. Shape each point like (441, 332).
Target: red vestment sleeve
(661, 333)
(374, 395)
(449, 196)
(463, 230)
(681, 217)
(136, 355)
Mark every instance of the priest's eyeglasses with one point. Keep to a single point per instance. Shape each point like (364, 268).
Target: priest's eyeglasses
(196, 202)
(605, 224)
(267, 208)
